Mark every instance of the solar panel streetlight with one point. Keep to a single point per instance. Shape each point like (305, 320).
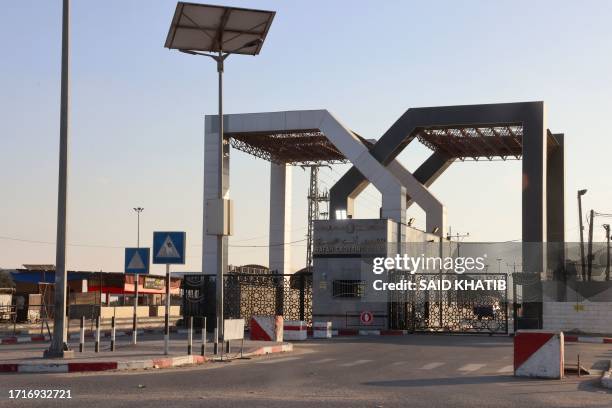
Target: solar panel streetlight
(217, 32)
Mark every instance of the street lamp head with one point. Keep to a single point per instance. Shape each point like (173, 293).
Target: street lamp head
(582, 192)
(253, 43)
(189, 52)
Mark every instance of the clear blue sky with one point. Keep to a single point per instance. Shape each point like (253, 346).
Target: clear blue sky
(137, 111)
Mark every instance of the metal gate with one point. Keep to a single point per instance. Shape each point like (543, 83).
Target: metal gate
(526, 301)
(247, 295)
(456, 310)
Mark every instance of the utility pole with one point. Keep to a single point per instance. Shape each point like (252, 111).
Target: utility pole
(590, 247)
(607, 228)
(458, 236)
(59, 343)
(135, 316)
(582, 259)
(314, 211)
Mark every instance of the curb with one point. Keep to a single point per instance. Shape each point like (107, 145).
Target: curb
(283, 348)
(102, 365)
(586, 339)
(362, 332)
(606, 377)
(129, 365)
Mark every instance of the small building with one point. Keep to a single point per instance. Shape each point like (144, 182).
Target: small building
(35, 285)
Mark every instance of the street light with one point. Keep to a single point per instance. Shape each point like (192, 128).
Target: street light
(138, 211)
(582, 260)
(607, 228)
(135, 316)
(59, 343)
(217, 32)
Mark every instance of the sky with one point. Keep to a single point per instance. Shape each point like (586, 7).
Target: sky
(137, 113)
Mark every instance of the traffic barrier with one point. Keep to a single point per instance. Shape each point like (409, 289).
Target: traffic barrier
(267, 328)
(538, 353)
(295, 330)
(322, 330)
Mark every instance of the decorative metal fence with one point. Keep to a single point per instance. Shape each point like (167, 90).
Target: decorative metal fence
(247, 295)
(459, 309)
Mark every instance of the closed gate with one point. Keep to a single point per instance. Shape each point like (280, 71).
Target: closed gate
(459, 309)
(247, 295)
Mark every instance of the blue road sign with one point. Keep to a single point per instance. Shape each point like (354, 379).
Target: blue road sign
(169, 247)
(137, 260)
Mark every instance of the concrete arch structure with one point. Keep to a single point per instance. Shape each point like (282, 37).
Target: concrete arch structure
(394, 182)
(542, 155)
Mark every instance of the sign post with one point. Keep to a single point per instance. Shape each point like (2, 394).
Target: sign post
(168, 248)
(136, 262)
(167, 313)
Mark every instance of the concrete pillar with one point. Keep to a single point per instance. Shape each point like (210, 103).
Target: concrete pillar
(555, 203)
(534, 206)
(210, 242)
(534, 189)
(555, 191)
(279, 257)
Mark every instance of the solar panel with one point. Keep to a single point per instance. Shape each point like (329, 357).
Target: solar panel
(201, 27)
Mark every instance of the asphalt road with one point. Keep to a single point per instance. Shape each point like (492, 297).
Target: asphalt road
(415, 371)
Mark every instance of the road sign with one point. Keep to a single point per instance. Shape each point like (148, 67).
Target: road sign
(366, 317)
(137, 260)
(169, 247)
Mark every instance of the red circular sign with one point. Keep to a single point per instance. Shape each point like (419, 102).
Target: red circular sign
(366, 317)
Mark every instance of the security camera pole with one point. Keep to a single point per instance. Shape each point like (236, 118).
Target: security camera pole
(59, 343)
(217, 32)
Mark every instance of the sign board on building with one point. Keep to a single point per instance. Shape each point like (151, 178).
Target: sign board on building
(153, 283)
(366, 318)
(169, 247)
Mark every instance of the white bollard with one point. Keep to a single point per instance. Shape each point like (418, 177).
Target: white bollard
(322, 330)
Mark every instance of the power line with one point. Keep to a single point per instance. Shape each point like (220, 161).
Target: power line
(264, 236)
(30, 241)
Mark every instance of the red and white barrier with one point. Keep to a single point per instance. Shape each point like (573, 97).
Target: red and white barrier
(267, 328)
(322, 330)
(294, 330)
(538, 353)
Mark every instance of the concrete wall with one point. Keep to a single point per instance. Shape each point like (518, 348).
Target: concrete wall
(586, 317)
(120, 312)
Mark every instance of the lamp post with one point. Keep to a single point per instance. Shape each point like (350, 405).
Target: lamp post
(582, 260)
(59, 343)
(135, 316)
(607, 228)
(217, 32)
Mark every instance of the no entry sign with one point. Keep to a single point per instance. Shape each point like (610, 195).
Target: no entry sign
(366, 317)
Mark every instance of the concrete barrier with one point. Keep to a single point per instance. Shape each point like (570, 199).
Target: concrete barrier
(322, 330)
(267, 328)
(294, 330)
(539, 354)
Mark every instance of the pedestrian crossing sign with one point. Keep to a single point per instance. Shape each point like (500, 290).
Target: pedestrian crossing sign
(169, 247)
(137, 260)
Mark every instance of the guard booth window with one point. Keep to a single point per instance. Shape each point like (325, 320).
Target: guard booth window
(348, 288)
